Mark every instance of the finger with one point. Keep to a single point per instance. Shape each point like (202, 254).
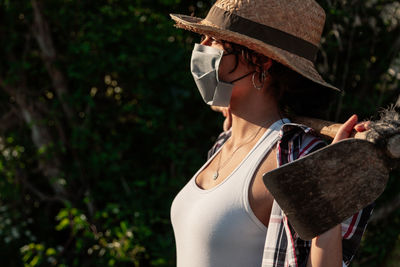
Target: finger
(346, 129)
(228, 121)
(225, 112)
(228, 112)
(363, 126)
(216, 108)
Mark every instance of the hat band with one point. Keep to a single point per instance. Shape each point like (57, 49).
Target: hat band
(232, 22)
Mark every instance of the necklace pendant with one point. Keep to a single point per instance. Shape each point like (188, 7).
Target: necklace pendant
(215, 176)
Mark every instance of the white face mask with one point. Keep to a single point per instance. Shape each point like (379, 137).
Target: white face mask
(204, 66)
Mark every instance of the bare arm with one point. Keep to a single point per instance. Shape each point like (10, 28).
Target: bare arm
(326, 249)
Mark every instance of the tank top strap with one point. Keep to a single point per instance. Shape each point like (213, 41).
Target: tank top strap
(266, 143)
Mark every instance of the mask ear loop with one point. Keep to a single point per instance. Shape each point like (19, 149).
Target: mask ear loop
(241, 77)
(244, 76)
(236, 64)
(236, 61)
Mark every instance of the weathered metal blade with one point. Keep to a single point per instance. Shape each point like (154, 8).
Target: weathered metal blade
(328, 186)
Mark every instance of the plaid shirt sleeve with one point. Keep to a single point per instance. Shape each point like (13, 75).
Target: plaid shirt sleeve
(221, 139)
(283, 248)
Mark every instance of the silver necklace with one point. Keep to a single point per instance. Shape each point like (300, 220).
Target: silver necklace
(216, 173)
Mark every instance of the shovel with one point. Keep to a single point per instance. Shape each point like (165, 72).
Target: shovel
(328, 186)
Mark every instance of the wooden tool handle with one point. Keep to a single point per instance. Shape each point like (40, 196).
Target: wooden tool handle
(326, 129)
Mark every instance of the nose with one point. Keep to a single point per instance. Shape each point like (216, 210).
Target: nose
(207, 40)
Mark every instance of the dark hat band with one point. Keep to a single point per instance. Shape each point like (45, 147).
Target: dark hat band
(232, 22)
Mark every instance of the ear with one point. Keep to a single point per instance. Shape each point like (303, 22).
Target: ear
(268, 64)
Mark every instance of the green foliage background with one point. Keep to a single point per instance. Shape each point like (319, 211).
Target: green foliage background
(101, 124)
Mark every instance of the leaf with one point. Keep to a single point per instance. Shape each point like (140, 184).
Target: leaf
(64, 223)
(62, 214)
(34, 261)
(50, 251)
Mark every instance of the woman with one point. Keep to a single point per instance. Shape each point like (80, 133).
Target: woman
(256, 58)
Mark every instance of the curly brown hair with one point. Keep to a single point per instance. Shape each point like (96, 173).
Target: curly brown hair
(293, 93)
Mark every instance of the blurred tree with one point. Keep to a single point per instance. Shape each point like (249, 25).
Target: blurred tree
(93, 127)
(100, 125)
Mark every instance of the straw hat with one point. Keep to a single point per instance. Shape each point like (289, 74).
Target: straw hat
(287, 31)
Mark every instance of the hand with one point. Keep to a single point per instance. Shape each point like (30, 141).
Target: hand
(326, 249)
(226, 112)
(347, 129)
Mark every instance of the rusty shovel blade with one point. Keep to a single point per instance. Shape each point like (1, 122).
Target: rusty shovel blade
(328, 186)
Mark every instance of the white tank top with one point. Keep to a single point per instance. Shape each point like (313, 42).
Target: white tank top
(216, 227)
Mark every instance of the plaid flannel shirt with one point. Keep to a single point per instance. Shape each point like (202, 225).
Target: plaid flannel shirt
(283, 248)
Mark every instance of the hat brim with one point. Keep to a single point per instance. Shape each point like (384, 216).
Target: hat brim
(304, 67)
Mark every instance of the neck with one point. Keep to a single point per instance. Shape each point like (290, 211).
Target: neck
(247, 119)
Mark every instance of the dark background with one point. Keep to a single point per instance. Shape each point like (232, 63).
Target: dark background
(101, 124)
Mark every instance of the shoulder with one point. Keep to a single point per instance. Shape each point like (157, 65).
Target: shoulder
(296, 141)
